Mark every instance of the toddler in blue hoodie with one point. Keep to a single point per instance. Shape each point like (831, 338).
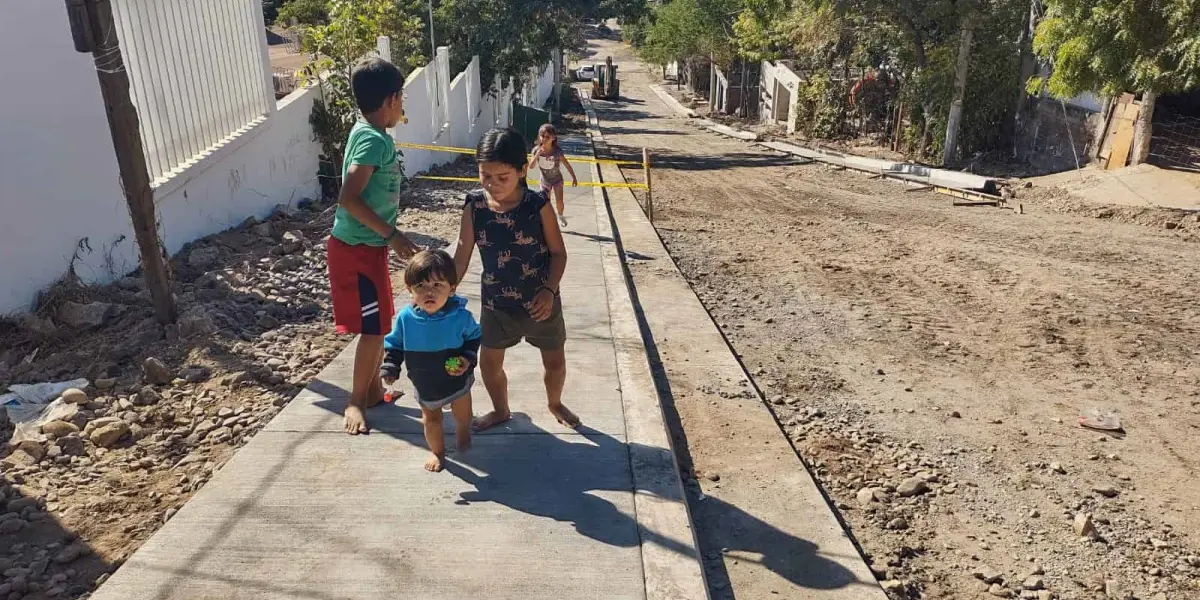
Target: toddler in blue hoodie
(439, 339)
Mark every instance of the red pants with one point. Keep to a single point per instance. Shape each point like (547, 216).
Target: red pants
(361, 288)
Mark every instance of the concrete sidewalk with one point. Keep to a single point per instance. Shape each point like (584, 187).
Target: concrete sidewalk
(533, 511)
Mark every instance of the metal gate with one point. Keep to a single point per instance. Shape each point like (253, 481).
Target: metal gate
(527, 120)
(1176, 141)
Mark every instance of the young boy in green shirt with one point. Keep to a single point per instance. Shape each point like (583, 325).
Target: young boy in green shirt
(364, 227)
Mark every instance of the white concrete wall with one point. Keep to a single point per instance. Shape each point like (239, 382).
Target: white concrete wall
(272, 165)
(465, 128)
(59, 182)
(773, 72)
(58, 175)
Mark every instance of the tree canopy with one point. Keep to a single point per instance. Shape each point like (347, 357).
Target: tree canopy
(1116, 46)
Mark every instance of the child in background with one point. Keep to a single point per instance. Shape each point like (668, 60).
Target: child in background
(547, 156)
(524, 258)
(439, 339)
(364, 227)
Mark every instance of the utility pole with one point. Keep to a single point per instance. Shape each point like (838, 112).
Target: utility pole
(960, 90)
(95, 31)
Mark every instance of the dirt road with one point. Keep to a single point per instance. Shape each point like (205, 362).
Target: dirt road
(898, 337)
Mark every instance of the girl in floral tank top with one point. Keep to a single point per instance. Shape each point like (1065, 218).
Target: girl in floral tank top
(524, 258)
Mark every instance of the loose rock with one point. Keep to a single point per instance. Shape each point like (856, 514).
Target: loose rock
(57, 429)
(202, 258)
(75, 396)
(987, 574)
(108, 435)
(1084, 526)
(913, 486)
(156, 372)
(85, 316)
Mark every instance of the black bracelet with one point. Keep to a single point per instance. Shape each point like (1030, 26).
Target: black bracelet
(552, 291)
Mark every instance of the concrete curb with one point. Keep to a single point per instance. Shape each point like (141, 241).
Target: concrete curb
(901, 170)
(821, 526)
(670, 100)
(659, 500)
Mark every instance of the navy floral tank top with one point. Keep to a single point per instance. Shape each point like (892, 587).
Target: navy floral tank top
(512, 246)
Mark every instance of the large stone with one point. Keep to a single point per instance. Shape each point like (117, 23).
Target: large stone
(156, 373)
(109, 435)
(38, 325)
(293, 242)
(57, 429)
(20, 504)
(85, 316)
(195, 323)
(988, 574)
(98, 423)
(20, 459)
(12, 526)
(32, 448)
(75, 396)
(147, 396)
(203, 258)
(72, 553)
(287, 263)
(72, 445)
(913, 486)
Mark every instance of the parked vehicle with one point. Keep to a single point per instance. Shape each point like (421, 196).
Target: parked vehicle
(587, 73)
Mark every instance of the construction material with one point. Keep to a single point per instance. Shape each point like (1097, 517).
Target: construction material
(606, 86)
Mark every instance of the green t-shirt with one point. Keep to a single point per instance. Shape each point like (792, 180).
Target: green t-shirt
(371, 147)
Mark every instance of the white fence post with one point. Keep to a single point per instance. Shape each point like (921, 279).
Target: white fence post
(383, 46)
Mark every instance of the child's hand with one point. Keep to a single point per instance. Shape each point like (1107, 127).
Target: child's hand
(574, 182)
(402, 246)
(388, 381)
(542, 305)
(457, 366)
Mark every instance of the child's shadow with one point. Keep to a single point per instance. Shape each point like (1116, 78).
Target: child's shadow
(548, 476)
(584, 478)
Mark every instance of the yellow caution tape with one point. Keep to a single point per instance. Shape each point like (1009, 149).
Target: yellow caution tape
(584, 159)
(638, 186)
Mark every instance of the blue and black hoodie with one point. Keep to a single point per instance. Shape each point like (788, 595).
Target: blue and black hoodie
(426, 342)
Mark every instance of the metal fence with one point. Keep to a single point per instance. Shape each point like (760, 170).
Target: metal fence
(1176, 142)
(198, 73)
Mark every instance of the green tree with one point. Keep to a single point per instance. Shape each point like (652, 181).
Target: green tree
(510, 37)
(304, 12)
(1117, 46)
(691, 30)
(351, 34)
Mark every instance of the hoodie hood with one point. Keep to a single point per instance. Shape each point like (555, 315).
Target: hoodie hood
(454, 304)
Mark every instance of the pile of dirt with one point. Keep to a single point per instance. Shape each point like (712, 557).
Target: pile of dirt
(167, 406)
(1184, 223)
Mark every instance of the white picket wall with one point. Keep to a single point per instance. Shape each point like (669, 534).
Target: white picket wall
(198, 72)
(458, 113)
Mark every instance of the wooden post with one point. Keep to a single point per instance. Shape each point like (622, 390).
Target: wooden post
(649, 187)
(94, 30)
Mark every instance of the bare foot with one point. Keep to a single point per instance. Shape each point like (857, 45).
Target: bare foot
(490, 420)
(355, 420)
(434, 464)
(564, 416)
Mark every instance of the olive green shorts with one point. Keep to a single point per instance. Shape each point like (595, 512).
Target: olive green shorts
(502, 330)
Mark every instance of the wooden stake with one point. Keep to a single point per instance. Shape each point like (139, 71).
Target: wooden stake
(94, 30)
(649, 187)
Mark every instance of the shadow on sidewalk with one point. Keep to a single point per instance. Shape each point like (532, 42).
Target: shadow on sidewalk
(560, 490)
